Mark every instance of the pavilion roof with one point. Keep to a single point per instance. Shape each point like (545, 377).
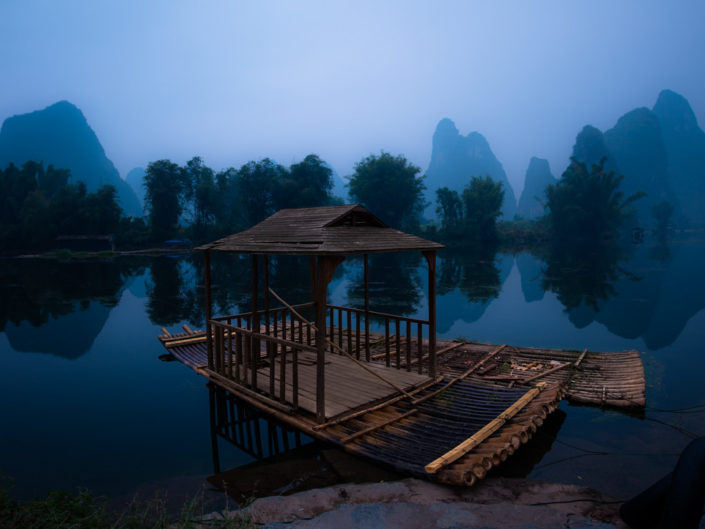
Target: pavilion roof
(327, 230)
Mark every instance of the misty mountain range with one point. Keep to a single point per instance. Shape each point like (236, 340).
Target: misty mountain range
(60, 136)
(660, 151)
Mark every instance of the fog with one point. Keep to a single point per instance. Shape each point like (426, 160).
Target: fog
(235, 81)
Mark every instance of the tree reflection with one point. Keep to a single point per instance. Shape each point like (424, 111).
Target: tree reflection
(169, 295)
(473, 272)
(44, 293)
(394, 284)
(584, 274)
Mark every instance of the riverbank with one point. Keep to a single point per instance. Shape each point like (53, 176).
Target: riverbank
(496, 503)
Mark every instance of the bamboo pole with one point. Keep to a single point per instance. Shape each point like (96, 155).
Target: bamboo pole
(580, 358)
(340, 349)
(474, 440)
(461, 377)
(377, 426)
(381, 405)
(544, 373)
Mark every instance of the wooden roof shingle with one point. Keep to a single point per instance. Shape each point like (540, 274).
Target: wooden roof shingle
(327, 230)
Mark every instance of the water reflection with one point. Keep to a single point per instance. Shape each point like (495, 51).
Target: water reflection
(394, 283)
(286, 461)
(60, 307)
(474, 273)
(584, 275)
(467, 285)
(245, 427)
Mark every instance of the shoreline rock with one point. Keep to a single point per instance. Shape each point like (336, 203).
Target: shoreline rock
(501, 503)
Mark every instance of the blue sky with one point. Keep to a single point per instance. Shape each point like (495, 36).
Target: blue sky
(235, 81)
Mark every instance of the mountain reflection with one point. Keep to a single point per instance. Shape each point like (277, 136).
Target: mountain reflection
(474, 273)
(59, 307)
(584, 275)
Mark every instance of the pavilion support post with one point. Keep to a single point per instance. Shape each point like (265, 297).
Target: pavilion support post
(431, 259)
(254, 349)
(209, 305)
(367, 307)
(324, 273)
(270, 346)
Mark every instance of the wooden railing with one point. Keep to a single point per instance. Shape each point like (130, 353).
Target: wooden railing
(246, 347)
(350, 329)
(260, 351)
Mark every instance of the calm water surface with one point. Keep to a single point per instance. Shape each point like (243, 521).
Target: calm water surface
(86, 401)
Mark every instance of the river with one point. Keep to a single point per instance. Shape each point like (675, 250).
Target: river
(87, 400)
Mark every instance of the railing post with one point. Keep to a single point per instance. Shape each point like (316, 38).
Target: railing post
(387, 359)
(431, 259)
(367, 308)
(254, 349)
(209, 315)
(398, 341)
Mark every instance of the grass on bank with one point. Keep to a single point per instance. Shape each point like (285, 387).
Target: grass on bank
(63, 510)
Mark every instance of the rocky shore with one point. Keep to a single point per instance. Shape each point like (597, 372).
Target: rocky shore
(496, 503)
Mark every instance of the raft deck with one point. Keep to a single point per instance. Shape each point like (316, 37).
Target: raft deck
(452, 429)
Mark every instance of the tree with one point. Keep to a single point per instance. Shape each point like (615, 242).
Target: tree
(470, 217)
(101, 210)
(307, 184)
(390, 188)
(587, 204)
(164, 184)
(200, 190)
(449, 209)
(255, 190)
(482, 205)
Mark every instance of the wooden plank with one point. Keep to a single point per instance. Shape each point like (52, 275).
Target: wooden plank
(475, 439)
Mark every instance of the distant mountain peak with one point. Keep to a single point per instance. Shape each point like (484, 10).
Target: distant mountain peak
(455, 159)
(538, 176)
(61, 136)
(673, 110)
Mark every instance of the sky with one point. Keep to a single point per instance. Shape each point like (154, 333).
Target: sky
(234, 81)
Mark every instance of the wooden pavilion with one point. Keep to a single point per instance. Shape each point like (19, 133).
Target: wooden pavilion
(276, 355)
(318, 367)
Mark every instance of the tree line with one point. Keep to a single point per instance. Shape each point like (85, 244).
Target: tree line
(585, 205)
(194, 201)
(37, 204)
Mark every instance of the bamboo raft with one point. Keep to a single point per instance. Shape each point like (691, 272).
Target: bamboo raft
(449, 411)
(486, 402)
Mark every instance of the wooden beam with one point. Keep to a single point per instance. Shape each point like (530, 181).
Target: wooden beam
(432, 363)
(209, 304)
(254, 348)
(366, 282)
(477, 438)
(580, 358)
